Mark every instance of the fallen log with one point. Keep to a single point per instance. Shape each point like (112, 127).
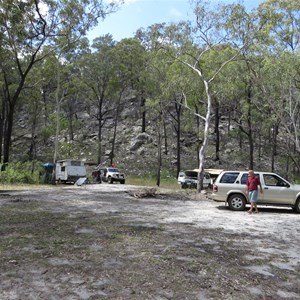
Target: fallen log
(144, 193)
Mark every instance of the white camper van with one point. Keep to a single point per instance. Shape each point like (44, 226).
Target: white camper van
(69, 170)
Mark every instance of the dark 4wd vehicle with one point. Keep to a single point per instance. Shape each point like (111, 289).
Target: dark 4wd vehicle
(111, 175)
(230, 187)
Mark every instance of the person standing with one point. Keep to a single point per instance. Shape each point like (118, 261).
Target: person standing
(253, 183)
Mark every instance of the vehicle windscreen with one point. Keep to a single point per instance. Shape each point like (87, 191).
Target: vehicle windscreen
(191, 174)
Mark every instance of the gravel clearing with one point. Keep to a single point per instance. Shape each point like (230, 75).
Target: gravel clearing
(99, 242)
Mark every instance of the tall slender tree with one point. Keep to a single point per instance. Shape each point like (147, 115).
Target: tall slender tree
(27, 27)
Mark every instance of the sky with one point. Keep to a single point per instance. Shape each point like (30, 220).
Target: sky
(135, 14)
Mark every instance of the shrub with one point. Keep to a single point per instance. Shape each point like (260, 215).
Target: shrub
(20, 173)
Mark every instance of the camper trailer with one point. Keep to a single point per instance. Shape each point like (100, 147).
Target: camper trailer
(69, 170)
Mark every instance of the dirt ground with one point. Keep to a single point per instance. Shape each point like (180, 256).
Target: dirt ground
(100, 242)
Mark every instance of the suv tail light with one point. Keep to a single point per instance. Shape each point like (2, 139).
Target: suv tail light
(215, 188)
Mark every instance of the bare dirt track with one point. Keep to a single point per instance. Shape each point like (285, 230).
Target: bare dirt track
(99, 242)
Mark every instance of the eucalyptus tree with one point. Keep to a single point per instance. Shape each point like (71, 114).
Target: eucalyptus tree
(249, 113)
(58, 93)
(47, 84)
(129, 81)
(282, 63)
(158, 89)
(73, 104)
(172, 92)
(33, 105)
(134, 61)
(180, 81)
(27, 27)
(226, 26)
(155, 104)
(225, 101)
(163, 106)
(281, 92)
(156, 110)
(97, 73)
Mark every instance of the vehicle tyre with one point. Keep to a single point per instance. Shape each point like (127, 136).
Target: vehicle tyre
(110, 180)
(237, 202)
(122, 181)
(297, 206)
(184, 186)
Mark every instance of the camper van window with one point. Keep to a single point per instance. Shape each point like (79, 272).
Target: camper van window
(63, 169)
(75, 163)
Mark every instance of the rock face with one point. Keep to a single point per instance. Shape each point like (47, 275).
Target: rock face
(140, 140)
(132, 150)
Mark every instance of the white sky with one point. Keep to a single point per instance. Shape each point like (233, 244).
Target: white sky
(135, 14)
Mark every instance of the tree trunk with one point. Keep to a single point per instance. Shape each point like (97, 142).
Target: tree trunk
(32, 150)
(143, 108)
(205, 138)
(274, 146)
(115, 128)
(71, 126)
(178, 135)
(2, 118)
(99, 141)
(158, 158)
(250, 131)
(8, 133)
(217, 131)
(165, 138)
(57, 102)
(100, 125)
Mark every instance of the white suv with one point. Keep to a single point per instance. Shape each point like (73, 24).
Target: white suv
(189, 179)
(111, 175)
(230, 187)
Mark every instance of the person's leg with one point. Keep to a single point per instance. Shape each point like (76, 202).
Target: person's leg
(255, 207)
(251, 208)
(251, 202)
(254, 199)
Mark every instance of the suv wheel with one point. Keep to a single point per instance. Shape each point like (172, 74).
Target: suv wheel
(237, 202)
(297, 206)
(183, 185)
(110, 180)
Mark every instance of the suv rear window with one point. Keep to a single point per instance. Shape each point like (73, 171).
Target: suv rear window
(229, 177)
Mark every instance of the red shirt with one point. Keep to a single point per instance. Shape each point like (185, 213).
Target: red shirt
(253, 183)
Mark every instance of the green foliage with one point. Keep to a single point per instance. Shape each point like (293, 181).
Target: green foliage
(168, 65)
(46, 133)
(142, 181)
(20, 173)
(68, 149)
(169, 183)
(167, 180)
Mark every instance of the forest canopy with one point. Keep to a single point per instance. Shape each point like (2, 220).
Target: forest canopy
(223, 86)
